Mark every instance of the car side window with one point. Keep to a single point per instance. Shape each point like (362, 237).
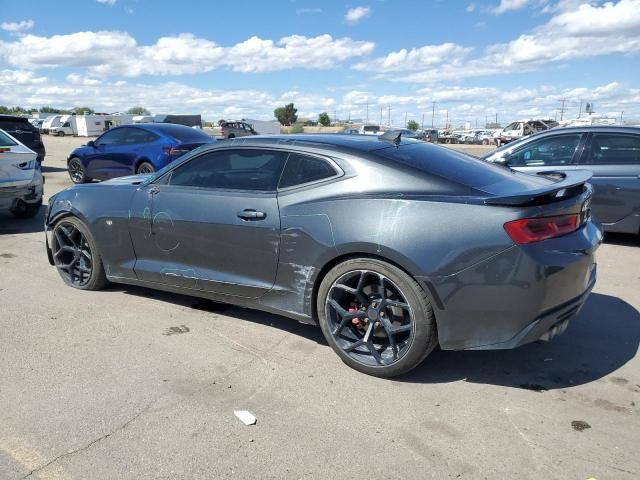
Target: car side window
(138, 135)
(614, 149)
(556, 150)
(242, 169)
(112, 137)
(302, 169)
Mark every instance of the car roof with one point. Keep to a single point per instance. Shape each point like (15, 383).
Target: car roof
(13, 118)
(587, 129)
(353, 143)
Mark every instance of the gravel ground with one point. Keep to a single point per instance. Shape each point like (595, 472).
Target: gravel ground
(130, 383)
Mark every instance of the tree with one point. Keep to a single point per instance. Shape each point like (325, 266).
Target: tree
(286, 115)
(82, 110)
(138, 111)
(324, 120)
(412, 125)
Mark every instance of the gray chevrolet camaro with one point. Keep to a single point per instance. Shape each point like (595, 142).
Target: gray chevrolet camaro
(392, 246)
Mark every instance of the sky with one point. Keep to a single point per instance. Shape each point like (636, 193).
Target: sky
(461, 60)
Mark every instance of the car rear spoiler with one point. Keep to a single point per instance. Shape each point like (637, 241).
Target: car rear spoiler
(568, 184)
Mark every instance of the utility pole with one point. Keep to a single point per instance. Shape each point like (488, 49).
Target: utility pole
(621, 117)
(389, 116)
(367, 111)
(422, 124)
(446, 123)
(380, 122)
(335, 116)
(580, 111)
(496, 120)
(433, 112)
(405, 119)
(562, 109)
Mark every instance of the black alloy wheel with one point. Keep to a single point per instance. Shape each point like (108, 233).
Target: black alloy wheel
(145, 168)
(75, 256)
(376, 317)
(76, 171)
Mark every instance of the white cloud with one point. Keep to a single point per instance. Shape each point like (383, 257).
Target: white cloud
(118, 53)
(459, 103)
(471, 7)
(585, 31)
(107, 2)
(16, 27)
(510, 5)
(416, 58)
(354, 15)
(76, 79)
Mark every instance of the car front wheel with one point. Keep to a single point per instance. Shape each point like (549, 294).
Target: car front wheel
(376, 317)
(145, 168)
(76, 170)
(76, 255)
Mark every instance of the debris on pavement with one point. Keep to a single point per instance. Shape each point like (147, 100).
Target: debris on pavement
(245, 417)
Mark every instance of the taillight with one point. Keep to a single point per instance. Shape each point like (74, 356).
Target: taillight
(530, 230)
(174, 152)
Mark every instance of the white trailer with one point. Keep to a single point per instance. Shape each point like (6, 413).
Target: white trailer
(94, 125)
(271, 127)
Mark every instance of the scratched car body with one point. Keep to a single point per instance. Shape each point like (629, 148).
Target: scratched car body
(392, 246)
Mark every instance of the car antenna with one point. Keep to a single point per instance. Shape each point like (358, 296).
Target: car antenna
(391, 136)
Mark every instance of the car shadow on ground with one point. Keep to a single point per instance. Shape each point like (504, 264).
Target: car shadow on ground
(600, 340)
(624, 239)
(10, 225)
(47, 169)
(310, 332)
(604, 337)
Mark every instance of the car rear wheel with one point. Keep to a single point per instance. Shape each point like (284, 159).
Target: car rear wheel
(145, 168)
(376, 317)
(76, 255)
(77, 171)
(61, 134)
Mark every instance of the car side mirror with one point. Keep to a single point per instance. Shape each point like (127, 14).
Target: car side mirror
(91, 144)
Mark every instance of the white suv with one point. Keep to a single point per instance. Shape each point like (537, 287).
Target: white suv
(21, 180)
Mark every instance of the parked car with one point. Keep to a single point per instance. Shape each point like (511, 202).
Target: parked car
(393, 246)
(50, 122)
(36, 122)
(370, 129)
(131, 149)
(522, 128)
(611, 153)
(406, 133)
(21, 181)
(233, 129)
(21, 129)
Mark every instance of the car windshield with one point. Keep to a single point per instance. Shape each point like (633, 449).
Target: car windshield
(6, 140)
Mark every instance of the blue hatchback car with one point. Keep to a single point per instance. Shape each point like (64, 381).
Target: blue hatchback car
(131, 149)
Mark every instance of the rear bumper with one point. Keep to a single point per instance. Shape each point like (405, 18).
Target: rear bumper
(517, 296)
(30, 193)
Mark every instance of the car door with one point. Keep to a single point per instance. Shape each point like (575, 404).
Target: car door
(614, 159)
(211, 223)
(552, 152)
(101, 162)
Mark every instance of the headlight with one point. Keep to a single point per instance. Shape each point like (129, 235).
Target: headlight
(30, 165)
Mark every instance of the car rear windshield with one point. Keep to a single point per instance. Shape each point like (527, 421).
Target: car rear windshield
(446, 163)
(5, 140)
(184, 134)
(14, 124)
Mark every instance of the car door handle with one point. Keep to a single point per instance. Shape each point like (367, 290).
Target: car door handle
(251, 214)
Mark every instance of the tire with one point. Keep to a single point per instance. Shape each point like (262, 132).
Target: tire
(416, 314)
(76, 171)
(74, 252)
(61, 134)
(145, 168)
(26, 210)
(485, 142)
(231, 135)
